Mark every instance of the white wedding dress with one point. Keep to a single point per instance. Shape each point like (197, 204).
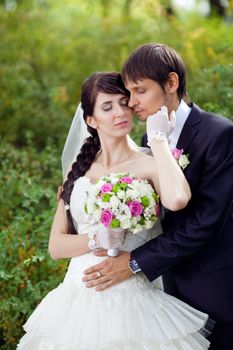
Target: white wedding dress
(133, 315)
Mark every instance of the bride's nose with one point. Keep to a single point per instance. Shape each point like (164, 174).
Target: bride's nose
(119, 111)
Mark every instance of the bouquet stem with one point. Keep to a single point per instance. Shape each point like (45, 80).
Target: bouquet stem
(113, 252)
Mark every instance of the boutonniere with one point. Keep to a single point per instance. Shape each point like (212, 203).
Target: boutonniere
(181, 158)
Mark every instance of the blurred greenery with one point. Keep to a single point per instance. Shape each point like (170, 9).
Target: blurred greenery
(47, 49)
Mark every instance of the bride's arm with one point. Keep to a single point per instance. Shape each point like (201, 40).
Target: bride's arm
(168, 178)
(62, 244)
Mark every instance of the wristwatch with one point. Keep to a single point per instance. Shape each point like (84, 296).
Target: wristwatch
(134, 267)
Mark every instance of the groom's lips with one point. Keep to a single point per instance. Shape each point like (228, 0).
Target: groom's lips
(138, 111)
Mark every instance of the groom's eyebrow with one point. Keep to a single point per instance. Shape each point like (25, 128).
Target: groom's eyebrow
(136, 86)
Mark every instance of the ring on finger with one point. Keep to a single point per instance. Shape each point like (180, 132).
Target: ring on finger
(98, 274)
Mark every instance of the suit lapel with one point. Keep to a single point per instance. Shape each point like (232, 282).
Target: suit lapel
(190, 128)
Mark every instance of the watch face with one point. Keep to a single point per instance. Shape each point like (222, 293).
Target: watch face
(134, 266)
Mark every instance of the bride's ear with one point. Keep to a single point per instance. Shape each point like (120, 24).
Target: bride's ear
(91, 122)
(172, 83)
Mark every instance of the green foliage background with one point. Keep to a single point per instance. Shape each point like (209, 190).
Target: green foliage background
(47, 49)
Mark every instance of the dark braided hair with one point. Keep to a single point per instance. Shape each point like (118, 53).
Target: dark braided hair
(105, 82)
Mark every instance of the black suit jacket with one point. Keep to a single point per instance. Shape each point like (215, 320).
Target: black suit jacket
(195, 252)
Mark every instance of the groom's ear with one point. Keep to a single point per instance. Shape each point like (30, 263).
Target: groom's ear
(172, 83)
(91, 122)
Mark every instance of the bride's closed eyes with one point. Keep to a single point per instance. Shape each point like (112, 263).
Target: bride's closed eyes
(107, 106)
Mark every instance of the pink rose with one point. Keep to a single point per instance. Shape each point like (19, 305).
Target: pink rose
(135, 208)
(106, 188)
(126, 179)
(177, 153)
(106, 217)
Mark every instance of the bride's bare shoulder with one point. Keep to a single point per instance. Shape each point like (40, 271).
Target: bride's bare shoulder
(145, 150)
(144, 162)
(144, 156)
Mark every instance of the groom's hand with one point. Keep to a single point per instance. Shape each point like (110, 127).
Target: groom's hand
(109, 272)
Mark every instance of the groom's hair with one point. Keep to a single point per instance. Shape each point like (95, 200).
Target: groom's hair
(155, 61)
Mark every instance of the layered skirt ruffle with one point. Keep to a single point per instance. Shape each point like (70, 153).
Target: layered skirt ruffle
(133, 315)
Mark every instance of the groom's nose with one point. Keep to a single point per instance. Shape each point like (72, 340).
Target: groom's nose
(132, 101)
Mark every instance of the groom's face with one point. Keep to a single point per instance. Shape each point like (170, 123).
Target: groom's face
(146, 97)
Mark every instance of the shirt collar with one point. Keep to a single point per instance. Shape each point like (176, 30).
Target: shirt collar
(182, 114)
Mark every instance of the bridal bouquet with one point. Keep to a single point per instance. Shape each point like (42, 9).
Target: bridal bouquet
(122, 202)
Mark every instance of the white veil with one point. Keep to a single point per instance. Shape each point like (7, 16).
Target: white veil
(75, 139)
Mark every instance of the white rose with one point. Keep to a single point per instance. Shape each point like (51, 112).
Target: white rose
(121, 194)
(114, 201)
(134, 221)
(137, 229)
(183, 161)
(121, 217)
(133, 194)
(125, 209)
(148, 224)
(113, 178)
(125, 223)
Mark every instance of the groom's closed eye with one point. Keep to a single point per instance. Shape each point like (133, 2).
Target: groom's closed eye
(124, 102)
(141, 90)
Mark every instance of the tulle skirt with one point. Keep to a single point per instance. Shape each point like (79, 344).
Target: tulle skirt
(133, 315)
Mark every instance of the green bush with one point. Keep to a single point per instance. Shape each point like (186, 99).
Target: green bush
(48, 49)
(28, 181)
(213, 89)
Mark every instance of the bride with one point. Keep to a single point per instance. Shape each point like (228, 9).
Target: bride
(135, 314)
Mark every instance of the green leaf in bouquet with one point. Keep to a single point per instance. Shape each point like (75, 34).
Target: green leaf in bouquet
(141, 221)
(123, 185)
(156, 197)
(115, 223)
(85, 208)
(116, 188)
(145, 201)
(106, 197)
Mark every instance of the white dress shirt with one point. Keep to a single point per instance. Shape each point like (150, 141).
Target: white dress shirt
(182, 114)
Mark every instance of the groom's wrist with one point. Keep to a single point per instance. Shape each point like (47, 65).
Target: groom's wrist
(133, 266)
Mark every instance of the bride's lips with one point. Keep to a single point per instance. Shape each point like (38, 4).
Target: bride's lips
(122, 123)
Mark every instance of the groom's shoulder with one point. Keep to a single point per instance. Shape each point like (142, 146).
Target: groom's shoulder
(210, 119)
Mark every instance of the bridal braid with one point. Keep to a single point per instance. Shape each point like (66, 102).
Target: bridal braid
(83, 162)
(110, 83)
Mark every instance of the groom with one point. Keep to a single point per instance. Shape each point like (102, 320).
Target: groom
(195, 252)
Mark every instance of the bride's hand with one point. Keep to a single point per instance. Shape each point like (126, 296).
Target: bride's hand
(160, 125)
(110, 238)
(59, 192)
